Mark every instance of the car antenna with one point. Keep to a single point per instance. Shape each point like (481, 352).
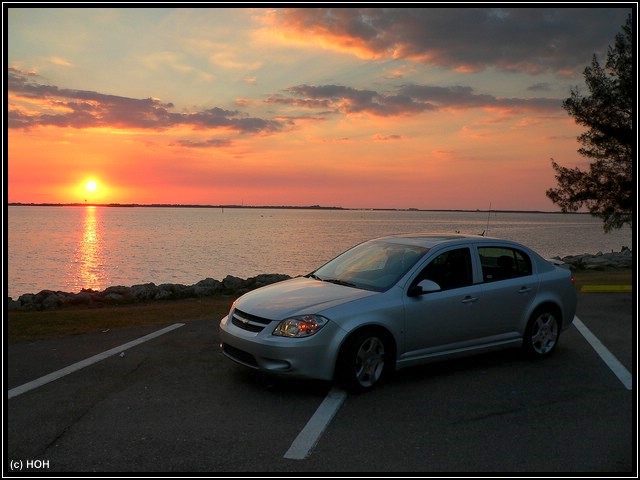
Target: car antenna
(488, 218)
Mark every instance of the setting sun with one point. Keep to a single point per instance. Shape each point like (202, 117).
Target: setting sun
(89, 190)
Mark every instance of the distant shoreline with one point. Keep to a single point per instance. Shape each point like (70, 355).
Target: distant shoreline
(276, 207)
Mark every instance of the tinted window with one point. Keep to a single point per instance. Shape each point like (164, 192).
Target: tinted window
(500, 263)
(450, 269)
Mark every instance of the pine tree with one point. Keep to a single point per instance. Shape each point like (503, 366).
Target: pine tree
(606, 190)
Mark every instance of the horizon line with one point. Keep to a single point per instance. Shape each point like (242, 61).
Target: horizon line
(284, 207)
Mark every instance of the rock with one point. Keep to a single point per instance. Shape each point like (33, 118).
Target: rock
(118, 290)
(13, 305)
(267, 279)
(622, 259)
(164, 292)
(113, 298)
(52, 300)
(80, 298)
(232, 283)
(206, 287)
(181, 291)
(26, 299)
(146, 291)
(208, 282)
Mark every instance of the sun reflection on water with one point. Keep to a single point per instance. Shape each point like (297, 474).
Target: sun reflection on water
(88, 261)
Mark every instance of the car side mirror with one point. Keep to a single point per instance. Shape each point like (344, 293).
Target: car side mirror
(424, 286)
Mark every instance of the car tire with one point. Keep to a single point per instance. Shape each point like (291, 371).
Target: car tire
(542, 333)
(365, 361)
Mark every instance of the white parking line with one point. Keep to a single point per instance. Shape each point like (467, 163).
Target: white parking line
(310, 434)
(14, 392)
(612, 362)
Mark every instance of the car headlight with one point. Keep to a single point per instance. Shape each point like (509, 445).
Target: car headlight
(226, 319)
(300, 326)
(233, 306)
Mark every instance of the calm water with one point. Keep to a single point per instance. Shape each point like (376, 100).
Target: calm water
(70, 248)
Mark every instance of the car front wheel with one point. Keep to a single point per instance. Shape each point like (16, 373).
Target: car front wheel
(543, 330)
(364, 361)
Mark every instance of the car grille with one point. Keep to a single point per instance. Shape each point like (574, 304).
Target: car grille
(239, 356)
(249, 322)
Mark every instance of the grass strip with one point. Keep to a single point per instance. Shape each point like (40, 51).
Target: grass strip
(610, 277)
(36, 325)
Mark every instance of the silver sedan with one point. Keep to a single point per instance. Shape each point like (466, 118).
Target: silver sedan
(398, 301)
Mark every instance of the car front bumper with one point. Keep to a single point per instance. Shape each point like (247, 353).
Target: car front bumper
(309, 357)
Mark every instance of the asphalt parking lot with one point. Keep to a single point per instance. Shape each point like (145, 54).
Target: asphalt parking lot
(174, 404)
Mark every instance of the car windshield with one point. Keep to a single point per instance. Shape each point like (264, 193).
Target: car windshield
(373, 265)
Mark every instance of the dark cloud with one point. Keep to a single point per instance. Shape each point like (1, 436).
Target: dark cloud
(406, 100)
(341, 99)
(211, 143)
(533, 40)
(386, 138)
(82, 109)
(298, 102)
(540, 87)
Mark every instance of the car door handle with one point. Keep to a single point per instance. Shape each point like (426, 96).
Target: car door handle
(525, 290)
(469, 299)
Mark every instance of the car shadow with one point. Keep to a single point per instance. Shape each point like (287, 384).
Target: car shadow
(478, 363)
(264, 382)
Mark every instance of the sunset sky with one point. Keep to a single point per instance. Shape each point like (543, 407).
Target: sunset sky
(422, 107)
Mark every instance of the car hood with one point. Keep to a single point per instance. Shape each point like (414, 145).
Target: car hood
(296, 297)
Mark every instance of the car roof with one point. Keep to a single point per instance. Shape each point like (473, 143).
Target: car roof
(430, 240)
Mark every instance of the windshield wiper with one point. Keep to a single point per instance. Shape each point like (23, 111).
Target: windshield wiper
(331, 280)
(339, 282)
